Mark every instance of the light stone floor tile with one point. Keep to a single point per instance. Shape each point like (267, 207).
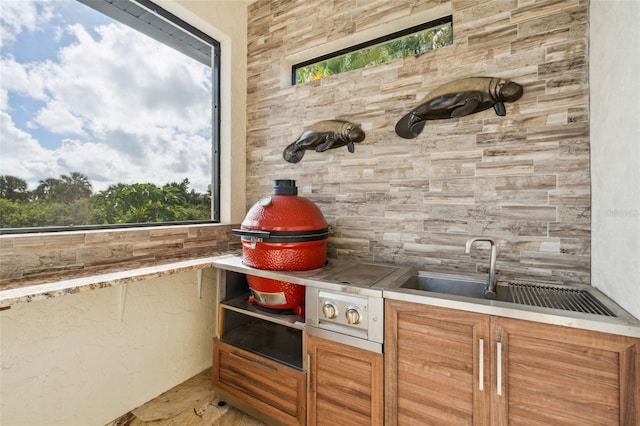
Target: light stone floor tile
(192, 403)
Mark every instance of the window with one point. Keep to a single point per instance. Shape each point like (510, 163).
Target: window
(109, 116)
(401, 44)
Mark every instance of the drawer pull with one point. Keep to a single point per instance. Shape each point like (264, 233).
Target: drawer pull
(256, 363)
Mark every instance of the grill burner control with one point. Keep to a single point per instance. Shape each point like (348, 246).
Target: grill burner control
(354, 316)
(349, 301)
(341, 309)
(329, 310)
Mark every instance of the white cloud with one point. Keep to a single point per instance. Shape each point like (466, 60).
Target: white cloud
(25, 79)
(184, 157)
(126, 109)
(17, 16)
(59, 119)
(23, 156)
(126, 81)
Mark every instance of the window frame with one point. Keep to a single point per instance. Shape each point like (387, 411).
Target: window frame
(108, 8)
(378, 40)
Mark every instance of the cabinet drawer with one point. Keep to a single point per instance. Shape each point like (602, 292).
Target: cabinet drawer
(268, 386)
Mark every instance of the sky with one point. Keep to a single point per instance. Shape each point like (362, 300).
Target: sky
(80, 92)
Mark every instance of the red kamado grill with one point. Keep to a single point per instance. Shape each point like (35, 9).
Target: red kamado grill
(282, 232)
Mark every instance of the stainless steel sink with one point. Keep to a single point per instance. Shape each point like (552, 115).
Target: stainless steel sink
(566, 298)
(457, 285)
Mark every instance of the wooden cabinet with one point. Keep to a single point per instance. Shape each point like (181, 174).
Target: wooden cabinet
(272, 366)
(448, 367)
(433, 368)
(267, 386)
(258, 356)
(345, 384)
(555, 375)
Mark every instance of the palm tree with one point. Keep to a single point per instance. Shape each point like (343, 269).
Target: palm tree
(67, 189)
(47, 189)
(13, 188)
(74, 187)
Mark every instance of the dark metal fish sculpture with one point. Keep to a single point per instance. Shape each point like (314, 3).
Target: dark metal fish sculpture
(457, 99)
(322, 136)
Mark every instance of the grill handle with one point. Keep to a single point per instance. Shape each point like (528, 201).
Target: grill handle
(250, 233)
(255, 236)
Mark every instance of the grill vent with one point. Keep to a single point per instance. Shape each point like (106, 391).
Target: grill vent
(568, 299)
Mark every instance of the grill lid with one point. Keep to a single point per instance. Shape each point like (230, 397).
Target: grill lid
(283, 214)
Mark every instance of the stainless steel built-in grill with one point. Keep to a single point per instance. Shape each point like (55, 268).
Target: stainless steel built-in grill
(568, 299)
(353, 305)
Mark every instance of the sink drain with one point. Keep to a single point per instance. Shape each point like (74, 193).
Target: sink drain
(567, 299)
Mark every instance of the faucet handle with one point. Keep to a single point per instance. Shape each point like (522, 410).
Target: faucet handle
(490, 288)
(470, 242)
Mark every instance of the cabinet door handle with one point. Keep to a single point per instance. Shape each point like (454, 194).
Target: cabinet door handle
(256, 363)
(499, 368)
(308, 373)
(481, 364)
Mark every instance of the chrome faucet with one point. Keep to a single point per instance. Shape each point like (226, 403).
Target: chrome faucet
(490, 288)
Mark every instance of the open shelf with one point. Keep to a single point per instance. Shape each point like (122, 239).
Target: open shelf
(241, 304)
(281, 343)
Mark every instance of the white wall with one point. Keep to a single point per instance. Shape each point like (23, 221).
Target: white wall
(81, 360)
(614, 67)
(226, 21)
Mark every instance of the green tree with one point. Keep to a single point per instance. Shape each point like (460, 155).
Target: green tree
(13, 188)
(192, 198)
(19, 214)
(68, 201)
(139, 203)
(67, 189)
(47, 189)
(74, 187)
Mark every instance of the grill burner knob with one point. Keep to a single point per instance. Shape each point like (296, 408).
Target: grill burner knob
(353, 315)
(329, 310)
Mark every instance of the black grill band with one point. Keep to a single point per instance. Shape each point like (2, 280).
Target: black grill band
(283, 236)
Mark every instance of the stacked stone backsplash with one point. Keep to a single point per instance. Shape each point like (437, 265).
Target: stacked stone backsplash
(522, 178)
(37, 258)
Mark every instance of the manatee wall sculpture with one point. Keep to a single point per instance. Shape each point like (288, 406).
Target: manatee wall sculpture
(322, 136)
(459, 98)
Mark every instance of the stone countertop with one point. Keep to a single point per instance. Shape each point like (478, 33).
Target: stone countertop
(328, 278)
(346, 276)
(48, 290)
(60, 287)
(331, 278)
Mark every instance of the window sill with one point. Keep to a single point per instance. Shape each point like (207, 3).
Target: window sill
(49, 290)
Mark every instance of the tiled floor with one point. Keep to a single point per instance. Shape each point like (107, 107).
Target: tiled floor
(192, 403)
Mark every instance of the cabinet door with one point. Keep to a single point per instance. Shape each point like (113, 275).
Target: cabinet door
(436, 365)
(276, 390)
(556, 375)
(346, 385)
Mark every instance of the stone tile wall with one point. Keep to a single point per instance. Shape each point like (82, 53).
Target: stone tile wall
(35, 258)
(522, 179)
